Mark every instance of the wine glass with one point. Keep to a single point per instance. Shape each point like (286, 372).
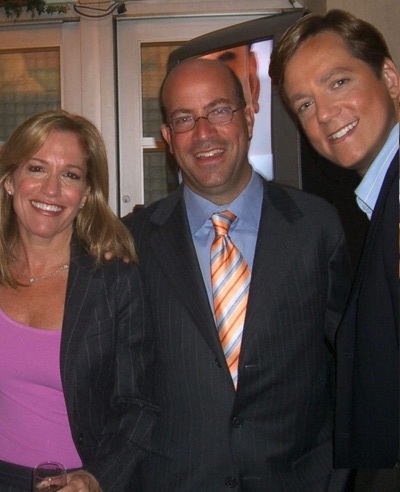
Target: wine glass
(49, 476)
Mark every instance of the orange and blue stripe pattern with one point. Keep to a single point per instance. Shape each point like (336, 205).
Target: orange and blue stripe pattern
(230, 279)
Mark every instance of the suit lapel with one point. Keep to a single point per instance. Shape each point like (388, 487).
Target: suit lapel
(173, 247)
(390, 181)
(276, 249)
(77, 305)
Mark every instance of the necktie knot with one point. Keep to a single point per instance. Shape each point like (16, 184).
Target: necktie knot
(222, 221)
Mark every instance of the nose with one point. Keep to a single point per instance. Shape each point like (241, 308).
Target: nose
(203, 128)
(51, 185)
(326, 109)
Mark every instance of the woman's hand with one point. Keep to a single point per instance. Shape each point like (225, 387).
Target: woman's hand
(81, 481)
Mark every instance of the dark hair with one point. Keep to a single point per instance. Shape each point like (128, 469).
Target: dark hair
(362, 39)
(237, 84)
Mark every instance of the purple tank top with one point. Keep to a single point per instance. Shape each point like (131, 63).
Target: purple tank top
(34, 425)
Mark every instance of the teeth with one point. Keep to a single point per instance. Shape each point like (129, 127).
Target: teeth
(45, 206)
(209, 154)
(344, 130)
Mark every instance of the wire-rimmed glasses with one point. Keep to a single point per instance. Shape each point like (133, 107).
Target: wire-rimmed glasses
(216, 117)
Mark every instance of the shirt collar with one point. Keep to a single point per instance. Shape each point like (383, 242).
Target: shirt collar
(368, 190)
(247, 205)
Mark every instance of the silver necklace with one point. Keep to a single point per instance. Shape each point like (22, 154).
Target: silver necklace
(65, 266)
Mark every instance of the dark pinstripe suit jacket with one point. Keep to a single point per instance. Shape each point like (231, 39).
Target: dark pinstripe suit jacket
(275, 433)
(106, 352)
(367, 413)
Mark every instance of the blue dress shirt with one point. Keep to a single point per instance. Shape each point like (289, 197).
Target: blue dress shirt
(368, 190)
(243, 232)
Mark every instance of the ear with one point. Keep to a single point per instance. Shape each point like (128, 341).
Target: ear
(85, 196)
(254, 81)
(8, 186)
(392, 78)
(249, 116)
(166, 133)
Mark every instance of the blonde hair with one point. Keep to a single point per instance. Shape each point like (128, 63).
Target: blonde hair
(96, 225)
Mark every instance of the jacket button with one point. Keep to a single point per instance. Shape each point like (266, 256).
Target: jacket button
(80, 438)
(231, 482)
(237, 421)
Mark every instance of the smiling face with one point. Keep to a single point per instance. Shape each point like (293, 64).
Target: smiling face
(50, 187)
(346, 112)
(213, 159)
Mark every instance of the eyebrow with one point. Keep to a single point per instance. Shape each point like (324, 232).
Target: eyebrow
(333, 73)
(42, 161)
(207, 107)
(323, 79)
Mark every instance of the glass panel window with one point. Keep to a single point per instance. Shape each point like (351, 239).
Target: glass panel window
(154, 59)
(29, 83)
(159, 175)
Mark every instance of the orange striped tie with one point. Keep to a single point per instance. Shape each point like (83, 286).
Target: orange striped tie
(230, 279)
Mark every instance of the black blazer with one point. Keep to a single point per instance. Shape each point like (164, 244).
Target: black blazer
(106, 354)
(367, 410)
(275, 432)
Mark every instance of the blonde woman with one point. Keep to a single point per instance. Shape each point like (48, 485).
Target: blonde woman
(75, 346)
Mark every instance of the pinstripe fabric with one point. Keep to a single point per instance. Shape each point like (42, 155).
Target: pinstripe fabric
(230, 279)
(15, 478)
(274, 433)
(106, 359)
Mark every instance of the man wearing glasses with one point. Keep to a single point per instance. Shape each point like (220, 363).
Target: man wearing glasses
(246, 282)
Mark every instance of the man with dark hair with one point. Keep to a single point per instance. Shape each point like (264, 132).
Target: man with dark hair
(244, 367)
(336, 75)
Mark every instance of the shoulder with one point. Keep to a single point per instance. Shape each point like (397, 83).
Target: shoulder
(116, 272)
(297, 201)
(134, 219)
(312, 219)
(84, 268)
(155, 214)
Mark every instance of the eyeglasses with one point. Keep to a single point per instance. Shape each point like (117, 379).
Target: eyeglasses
(216, 117)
